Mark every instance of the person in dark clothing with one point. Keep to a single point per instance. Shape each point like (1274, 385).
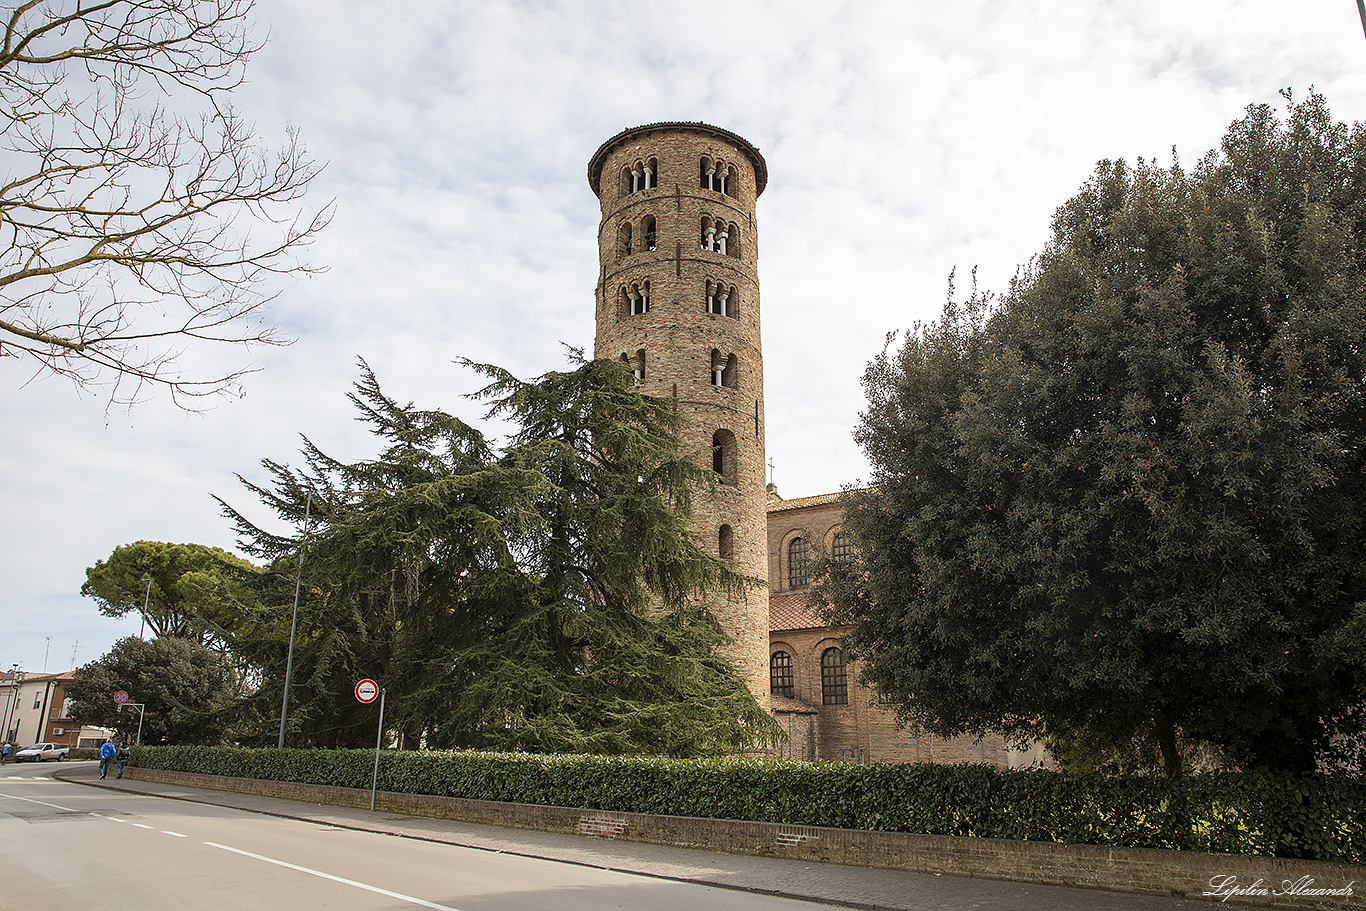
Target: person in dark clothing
(121, 758)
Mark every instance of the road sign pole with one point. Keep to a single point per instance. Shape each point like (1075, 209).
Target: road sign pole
(379, 737)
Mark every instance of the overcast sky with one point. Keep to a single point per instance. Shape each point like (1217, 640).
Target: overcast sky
(904, 139)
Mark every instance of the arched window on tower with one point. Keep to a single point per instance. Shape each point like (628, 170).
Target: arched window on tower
(637, 365)
(728, 181)
(725, 542)
(723, 455)
(643, 175)
(721, 299)
(708, 234)
(708, 173)
(730, 240)
(834, 681)
(624, 239)
(639, 297)
(797, 563)
(780, 674)
(647, 228)
(723, 369)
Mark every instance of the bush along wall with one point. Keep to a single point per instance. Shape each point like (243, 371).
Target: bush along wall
(1319, 817)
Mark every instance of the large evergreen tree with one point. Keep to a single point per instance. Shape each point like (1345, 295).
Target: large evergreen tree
(545, 597)
(1128, 498)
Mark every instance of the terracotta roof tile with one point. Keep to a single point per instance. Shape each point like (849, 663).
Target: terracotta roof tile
(788, 704)
(817, 500)
(793, 610)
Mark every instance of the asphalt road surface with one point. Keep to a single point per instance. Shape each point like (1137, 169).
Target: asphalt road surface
(151, 846)
(69, 845)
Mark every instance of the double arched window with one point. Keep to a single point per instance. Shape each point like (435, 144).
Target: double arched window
(643, 174)
(635, 298)
(723, 369)
(834, 681)
(780, 674)
(637, 365)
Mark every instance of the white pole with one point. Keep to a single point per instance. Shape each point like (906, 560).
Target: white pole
(294, 622)
(379, 736)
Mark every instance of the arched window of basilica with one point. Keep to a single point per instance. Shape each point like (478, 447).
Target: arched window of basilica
(780, 674)
(721, 299)
(834, 682)
(725, 542)
(624, 239)
(842, 548)
(797, 563)
(647, 228)
(642, 175)
(723, 456)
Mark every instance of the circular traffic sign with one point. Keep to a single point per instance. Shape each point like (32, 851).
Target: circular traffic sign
(367, 690)
(121, 697)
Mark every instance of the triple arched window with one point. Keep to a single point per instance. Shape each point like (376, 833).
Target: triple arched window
(722, 299)
(643, 174)
(717, 176)
(719, 236)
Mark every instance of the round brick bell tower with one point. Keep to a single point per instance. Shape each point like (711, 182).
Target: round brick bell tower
(678, 299)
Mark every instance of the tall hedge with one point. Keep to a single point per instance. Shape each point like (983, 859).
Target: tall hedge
(1321, 817)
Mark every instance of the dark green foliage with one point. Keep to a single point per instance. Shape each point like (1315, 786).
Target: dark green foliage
(196, 592)
(1128, 498)
(189, 690)
(546, 597)
(1257, 813)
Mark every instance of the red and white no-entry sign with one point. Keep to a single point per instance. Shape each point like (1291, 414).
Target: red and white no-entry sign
(367, 691)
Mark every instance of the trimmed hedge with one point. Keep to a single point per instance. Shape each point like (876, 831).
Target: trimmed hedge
(1320, 817)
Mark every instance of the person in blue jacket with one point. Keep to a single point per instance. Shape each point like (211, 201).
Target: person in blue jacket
(107, 752)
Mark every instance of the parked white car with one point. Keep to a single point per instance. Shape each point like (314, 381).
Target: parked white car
(41, 752)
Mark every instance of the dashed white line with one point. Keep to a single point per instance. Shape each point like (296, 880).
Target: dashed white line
(169, 832)
(143, 825)
(336, 879)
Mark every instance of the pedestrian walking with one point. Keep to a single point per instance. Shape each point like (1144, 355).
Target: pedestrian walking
(4, 752)
(107, 752)
(121, 759)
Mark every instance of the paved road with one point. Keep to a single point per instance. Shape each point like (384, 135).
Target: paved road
(126, 841)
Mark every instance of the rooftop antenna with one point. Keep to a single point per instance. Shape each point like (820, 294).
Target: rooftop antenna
(75, 645)
(1361, 8)
(47, 648)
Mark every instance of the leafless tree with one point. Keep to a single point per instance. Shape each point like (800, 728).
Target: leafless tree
(139, 212)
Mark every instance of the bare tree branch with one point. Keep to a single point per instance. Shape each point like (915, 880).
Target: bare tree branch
(128, 230)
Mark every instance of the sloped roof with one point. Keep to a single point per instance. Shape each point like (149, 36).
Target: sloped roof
(794, 706)
(793, 610)
(817, 500)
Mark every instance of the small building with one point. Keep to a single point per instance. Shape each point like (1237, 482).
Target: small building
(34, 708)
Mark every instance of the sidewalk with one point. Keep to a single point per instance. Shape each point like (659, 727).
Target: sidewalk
(848, 886)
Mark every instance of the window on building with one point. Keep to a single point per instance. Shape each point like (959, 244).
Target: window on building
(834, 684)
(796, 563)
(647, 228)
(643, 175)
(730, 240)
(780, 674)
(718, 368)
(624, 239)
(38, 699)
(723, 456)
(725, 542)
(638, 298)
(727, 181)
(842, 548)
(708, 173)
(730, 375)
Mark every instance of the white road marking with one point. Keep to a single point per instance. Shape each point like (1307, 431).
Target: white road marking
(169, 832)
(143, 826)
(41, 802)
(115, 819)
(336, 879)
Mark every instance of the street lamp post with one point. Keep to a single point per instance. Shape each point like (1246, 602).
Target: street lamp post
(294, 621)
(16, 681)
(146, 600)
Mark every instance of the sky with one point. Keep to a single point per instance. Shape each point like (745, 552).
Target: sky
(905, 141)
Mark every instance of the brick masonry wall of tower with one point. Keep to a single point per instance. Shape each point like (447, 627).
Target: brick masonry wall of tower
(672, 257)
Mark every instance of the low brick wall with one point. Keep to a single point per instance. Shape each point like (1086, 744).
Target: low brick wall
(1185, 874)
